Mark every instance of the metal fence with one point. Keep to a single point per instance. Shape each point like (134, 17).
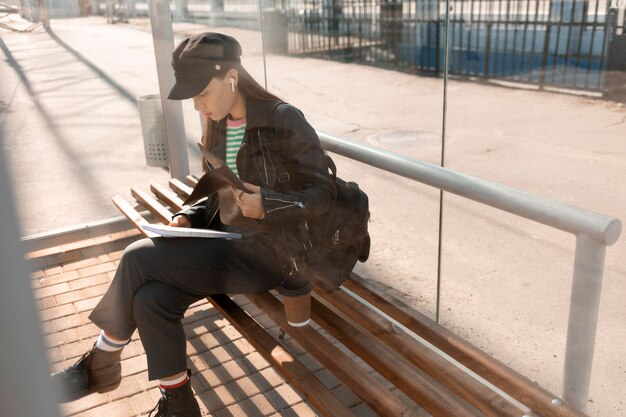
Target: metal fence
(562, 43)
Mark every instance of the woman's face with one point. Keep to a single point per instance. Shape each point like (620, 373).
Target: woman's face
(217, 99)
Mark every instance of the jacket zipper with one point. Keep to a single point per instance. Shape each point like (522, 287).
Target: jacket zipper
(214, 214)
(267, 179)
(291, 204)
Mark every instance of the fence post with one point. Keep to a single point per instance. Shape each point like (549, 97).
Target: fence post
(131, 11)
(583, 320)
(544, 56)
(180, 10)
(487, 51)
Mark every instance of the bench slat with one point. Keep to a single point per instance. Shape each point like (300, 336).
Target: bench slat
(180, 188)
(421, 388)
(132, 215)
(296, 373)
(192, 180)
(368, 388)
(456, 380)
(167, 196)
(505, 378)
(149, 202)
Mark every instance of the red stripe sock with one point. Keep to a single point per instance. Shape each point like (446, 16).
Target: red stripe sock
(175, 383)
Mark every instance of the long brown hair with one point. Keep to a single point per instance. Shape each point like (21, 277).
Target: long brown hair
(248, 87)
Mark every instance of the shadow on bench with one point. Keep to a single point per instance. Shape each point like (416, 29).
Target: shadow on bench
(399, 362)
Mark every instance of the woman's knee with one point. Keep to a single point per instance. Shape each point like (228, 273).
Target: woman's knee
(139, 246)
(150, 297)
(137, 249)
(158, 299)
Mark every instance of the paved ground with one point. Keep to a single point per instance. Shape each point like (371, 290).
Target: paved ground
(229, 377)
(67, 103)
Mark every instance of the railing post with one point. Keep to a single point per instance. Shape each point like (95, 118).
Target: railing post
(583, 319)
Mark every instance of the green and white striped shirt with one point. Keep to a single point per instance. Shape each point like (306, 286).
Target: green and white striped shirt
(234, 136)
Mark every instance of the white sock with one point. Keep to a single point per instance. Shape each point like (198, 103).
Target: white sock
(110, 345)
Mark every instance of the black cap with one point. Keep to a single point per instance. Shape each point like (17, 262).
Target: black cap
(199, 58)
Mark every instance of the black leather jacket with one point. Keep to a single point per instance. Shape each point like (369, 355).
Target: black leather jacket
(281, 153)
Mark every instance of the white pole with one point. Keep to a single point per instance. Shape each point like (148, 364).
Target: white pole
(583, 320)
(163, 37)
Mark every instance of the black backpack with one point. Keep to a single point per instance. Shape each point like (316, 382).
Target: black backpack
(340, 237)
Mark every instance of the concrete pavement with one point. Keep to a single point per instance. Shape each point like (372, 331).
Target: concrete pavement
(74, 140)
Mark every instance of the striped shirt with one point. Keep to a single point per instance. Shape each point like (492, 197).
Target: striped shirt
(234, 136)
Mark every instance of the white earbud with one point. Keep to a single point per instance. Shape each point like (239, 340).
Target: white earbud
(232, 84)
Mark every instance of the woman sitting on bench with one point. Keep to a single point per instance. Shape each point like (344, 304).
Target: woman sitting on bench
(272, 148)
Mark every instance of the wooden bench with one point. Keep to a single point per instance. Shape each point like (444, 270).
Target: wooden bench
(399, 362)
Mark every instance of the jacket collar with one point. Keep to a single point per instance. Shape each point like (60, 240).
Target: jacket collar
(258, 112)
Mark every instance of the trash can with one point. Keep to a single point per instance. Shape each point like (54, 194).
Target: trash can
(153, 129)
(275, 31)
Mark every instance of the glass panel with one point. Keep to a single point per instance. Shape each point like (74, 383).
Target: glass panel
(533, 97)
(367, 71)
(73, 132)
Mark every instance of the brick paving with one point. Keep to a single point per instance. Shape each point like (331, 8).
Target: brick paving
(229, 377)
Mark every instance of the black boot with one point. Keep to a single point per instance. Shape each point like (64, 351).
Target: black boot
(178, 402)
(95, 371)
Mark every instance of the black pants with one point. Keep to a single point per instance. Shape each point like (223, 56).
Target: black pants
(157, 279)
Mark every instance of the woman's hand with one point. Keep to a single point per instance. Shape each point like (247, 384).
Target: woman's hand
(250, 204)
(180, 221)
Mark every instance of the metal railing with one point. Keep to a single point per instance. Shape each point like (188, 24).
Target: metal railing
(593, 231)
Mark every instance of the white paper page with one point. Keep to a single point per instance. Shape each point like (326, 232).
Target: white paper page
(171, 231)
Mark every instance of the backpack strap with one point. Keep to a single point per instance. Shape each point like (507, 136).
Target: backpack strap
(282, 169)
